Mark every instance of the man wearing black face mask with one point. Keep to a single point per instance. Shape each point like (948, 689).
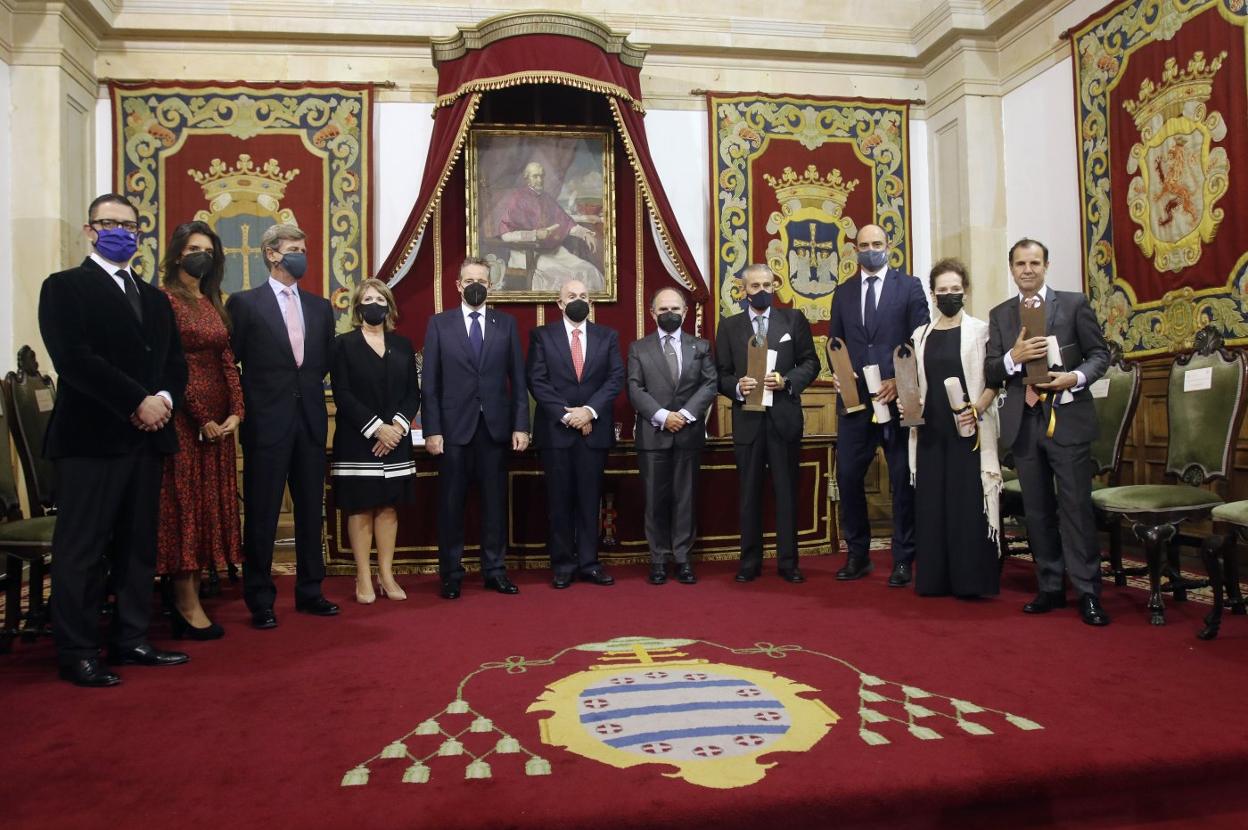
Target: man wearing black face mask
(874, 312)
(476, 407)
(575, 373)
(282, 337)
(671, 385)
(772, 438)
(113, 341)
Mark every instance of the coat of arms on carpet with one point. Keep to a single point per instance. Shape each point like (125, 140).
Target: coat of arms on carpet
(705, 713)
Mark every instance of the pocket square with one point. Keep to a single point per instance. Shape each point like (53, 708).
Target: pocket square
(786, 337)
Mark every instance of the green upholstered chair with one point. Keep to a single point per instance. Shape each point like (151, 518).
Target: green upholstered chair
(1230, 524)
(24, 543)
(33, 395)
(1203, 427)
(1115, 397)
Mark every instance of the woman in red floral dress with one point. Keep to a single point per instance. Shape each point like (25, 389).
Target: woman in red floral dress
(199, 525)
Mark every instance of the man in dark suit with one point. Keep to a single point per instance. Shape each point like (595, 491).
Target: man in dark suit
(671, 385)
(772, 438)
(282, 338)
(475, 406)
(1050, 428)
(115, 346)
(874, 312)
(575, 373)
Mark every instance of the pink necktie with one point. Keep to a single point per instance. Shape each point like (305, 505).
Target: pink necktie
(578, 354)
(294, 326)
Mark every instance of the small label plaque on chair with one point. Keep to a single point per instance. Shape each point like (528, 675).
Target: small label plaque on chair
(1100, 389)
(1198, 380)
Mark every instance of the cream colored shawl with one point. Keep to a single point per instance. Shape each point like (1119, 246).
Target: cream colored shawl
(973, 343)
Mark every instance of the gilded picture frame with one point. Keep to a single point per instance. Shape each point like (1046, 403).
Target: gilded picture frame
(541, 209)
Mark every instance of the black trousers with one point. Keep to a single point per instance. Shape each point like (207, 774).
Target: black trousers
(855, 450)
(484, 461)
(299, 460)
(670, 480)
(1061, 525)
(768, 450)
(573, 488)
(107, 512)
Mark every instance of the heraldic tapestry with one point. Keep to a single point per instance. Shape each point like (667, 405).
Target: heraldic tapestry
(792, 180)
(242, 157)
(1162, 104)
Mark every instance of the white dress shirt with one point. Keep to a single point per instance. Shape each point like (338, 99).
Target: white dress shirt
(113, 269)
(879, 288)
(569, 327)
(1046, 294)
(660, 417)
(466, 309)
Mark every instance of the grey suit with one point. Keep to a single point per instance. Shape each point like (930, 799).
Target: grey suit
(1062, 459)
(669, 461)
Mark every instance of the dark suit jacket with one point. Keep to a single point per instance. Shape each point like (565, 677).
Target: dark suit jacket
(901, 308)
(356, 402)
(107, 363)
(796, 361)
(455, 388)
(650, 389)
(553, 383)
(1069, 317)
(275, 390)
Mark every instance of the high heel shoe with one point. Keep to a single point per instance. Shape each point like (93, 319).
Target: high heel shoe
(398, 595)
(182, 628)
(365, 599)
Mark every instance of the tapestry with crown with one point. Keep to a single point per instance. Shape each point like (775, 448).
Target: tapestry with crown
(1161, 108)
(242, 157)
(793, 178)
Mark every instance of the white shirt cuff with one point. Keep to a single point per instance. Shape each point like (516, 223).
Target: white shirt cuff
(1083, 381)
(168, 398)
(1010, 367)
(659, 419)
(688, 416)
(371, 427)
(592, 413)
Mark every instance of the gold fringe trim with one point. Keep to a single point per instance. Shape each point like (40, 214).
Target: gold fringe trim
(518, 78)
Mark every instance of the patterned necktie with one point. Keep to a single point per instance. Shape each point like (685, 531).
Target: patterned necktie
(475, 338)
(673, 365)
(578, 354)
(294, 326)
(868, 311)
(132, 293)
(760, 323)
(1030, 396)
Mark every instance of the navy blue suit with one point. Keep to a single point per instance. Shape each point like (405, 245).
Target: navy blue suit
(475, 407)
(573, 462)
(901, 308)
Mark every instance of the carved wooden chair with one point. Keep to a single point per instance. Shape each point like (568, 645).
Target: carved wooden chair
(1116, 397)
(1205, 404)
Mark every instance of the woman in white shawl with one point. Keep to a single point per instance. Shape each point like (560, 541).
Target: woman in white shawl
(953, 455)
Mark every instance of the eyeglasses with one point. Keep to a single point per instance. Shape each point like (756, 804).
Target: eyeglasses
(109, 224)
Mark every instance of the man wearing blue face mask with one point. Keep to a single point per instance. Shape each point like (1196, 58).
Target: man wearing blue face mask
(282, 338)
(114, 343)
(874, 312)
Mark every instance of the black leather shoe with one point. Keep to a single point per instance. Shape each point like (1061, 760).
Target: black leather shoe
(501, 584)
(854, 569)
(901, 575)
(748, 573)
(88, 672)
(450, 589)
(263, 619)
(598, 576)
(319, 607)
(793, 575)
(1045, 602)
(658, 574)
(684, 574)
(1091, 611)
(561, 582)
(145, 655)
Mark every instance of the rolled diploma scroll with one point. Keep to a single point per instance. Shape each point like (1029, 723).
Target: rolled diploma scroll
(1054, 357)
(958, 401)
(871, 374)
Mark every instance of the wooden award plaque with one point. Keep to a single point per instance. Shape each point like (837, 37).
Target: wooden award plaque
(756, 367)
(906, 370)
(1033, 323)
(838, 357)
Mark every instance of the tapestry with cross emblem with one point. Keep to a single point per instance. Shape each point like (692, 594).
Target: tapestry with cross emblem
(793, 178)
(242, 157)
(1161, 104)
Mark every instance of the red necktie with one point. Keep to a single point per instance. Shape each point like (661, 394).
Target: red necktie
(1030, 396)
(578, 354)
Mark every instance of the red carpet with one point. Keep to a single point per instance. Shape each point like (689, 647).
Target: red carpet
(1142, 726)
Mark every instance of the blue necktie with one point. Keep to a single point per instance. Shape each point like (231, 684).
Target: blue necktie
(868, 313)
(475, 338)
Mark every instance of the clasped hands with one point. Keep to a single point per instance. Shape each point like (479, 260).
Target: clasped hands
(214, 432)
(579, 417)
(388, 437)
(1036, 348)
(772, 381)
(153, 413)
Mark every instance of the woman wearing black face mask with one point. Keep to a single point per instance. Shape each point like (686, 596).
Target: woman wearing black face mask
(957, 478)
(376, 394)
(199, 525)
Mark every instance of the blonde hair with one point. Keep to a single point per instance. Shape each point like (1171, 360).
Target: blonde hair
(392, 315)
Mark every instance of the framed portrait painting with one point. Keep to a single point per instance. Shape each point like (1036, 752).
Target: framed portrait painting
(541, 210)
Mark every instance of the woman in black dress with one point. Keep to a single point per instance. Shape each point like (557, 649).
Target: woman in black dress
(957, 479)
(377, 396)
